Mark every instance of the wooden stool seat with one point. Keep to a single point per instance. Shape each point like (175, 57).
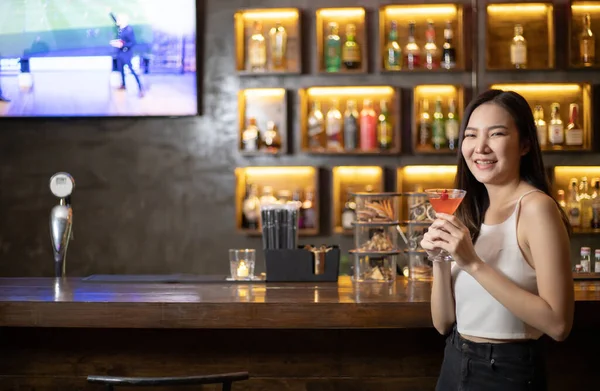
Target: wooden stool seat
(225, 378)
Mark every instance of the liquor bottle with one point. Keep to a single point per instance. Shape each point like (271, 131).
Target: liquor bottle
(297, 197)
(597, 261)
(452, 125)
(257, 49)
(349, 211)
(587, 43)
(574, 132)
(333, 127)
(556, 130)
(561, 200)
(392, 56)
(368, 127)
(316, 128)
(586, 203)
(518, 49)
(430, 49)
(308, 211)
(278, 44)
(424, 124)
(595, 223)
(351, 126)
(351, 50)
(271, 138)
(412, 55)
(251, 208)
(251, 136)
(333, 49)
(448, 50)
(438, 131)
(585, 261)
(384, 127)
(573, 205)
(540, 126)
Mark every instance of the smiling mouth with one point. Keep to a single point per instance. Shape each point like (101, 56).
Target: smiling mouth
(485, 162)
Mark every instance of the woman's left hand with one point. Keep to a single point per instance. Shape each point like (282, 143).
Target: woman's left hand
(452, 235)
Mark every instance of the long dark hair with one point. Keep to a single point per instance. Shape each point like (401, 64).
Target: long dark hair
(472, 210)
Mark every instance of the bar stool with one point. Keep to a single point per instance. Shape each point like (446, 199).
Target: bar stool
(113, 381)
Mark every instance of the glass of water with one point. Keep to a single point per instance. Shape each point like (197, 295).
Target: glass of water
(241, 263)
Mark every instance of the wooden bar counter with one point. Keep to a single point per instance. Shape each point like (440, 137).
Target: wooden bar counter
(289, 336)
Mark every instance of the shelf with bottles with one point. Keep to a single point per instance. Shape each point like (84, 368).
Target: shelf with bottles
(350, 120)
(520, 36)
(262, 121)
(554, 105)
(270, 184)
(584, 27)
(268, 41)
(577, 189)
(437, 110)
(421, 37)
(341, 40)
(347, 180)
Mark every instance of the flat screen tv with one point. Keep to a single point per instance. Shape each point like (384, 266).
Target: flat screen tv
(96, 58)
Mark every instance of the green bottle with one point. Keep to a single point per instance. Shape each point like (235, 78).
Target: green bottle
(438, 136)
(392, 57)
(333, 49)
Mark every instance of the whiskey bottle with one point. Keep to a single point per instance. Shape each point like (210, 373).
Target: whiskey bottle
(556, 130)
(278, 44)
(448, 50)
(308, 211)
(257, 49)
(586, 203)
(384, 127)
(573, 205)
(351, 126)
(412, 56)
(541, 126)
(438, 131)
(351, 50)
(251, 208)
(392, 56)
(587, 43)
(430, 49)
(333, 49)
(271, 138)
(518, 49)
(316, 128)
(333, 127)
(574, 132)
(368, 127)
(251, 136)
(452, 125)
(424, 133)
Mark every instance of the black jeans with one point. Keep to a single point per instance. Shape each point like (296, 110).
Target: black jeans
(472, 366)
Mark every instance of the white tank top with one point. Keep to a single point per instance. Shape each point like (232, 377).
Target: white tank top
(478, 313)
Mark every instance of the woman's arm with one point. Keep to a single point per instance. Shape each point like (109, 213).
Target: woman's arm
(546, 237)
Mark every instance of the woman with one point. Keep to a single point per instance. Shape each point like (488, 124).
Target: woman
(511, 281)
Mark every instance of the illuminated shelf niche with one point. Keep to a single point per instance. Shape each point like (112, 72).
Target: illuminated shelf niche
(263, 104)
(578, 10)
(561, 180)
(348, 179)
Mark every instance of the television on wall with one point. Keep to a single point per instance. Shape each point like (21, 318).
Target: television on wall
(98, 58)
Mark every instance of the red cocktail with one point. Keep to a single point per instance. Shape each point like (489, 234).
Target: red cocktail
(444, 201)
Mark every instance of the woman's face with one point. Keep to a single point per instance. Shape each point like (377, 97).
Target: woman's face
(491, 145)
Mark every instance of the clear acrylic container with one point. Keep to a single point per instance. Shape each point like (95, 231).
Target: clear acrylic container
(377, 207)
(376, 237)
(374, 267)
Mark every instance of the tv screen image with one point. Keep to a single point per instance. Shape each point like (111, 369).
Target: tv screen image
(78, 58)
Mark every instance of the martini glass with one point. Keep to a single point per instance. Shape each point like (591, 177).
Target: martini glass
(444, 201)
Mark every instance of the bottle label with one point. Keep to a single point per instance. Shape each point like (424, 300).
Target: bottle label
(368, 133)
(574, 137)
(384, 135)
(258, 55)
(557, 134)
(438, 136)
(333, 57)
(518, 54)
(452, 129)
(574, 217)
(351, 53)
(587, 50)
(597, 265)
(585, 266)
(542, 133)
(350, 131)
(334, 133)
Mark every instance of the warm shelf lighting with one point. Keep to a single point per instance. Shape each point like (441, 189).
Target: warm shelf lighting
(556, 88)
(568, 172)
(349, 91)
(264, 92)
(584, 7)
(428, 170)
(407, 11)
(358, 171)
(435, 89)
(271, 14)
(341, 12)
(524, 8)
(278, 171)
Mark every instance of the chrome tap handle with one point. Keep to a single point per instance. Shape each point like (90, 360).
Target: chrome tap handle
(61, 220)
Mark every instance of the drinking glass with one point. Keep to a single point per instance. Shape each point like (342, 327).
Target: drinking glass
(241, 263)
(444, 201)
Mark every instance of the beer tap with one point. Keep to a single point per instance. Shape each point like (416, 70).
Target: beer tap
(61, 220)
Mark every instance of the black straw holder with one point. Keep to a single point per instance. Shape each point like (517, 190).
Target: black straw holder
(298, 265)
